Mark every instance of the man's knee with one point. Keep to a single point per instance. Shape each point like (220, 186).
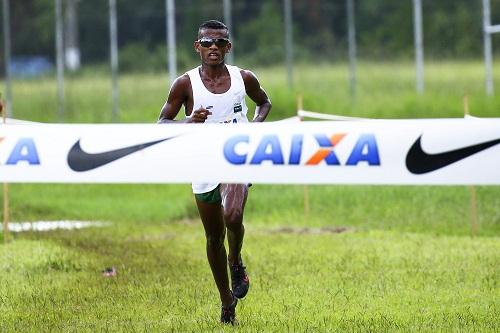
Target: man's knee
(233, 216)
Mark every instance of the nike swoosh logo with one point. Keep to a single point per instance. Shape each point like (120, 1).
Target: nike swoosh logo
(79, 160)
(419, 162)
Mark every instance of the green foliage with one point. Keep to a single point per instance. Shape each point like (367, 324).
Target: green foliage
(384, 29)
(131, 53)
(454, 30)
(261, 42)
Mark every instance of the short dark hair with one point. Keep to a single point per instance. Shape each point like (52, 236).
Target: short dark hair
(213, 24)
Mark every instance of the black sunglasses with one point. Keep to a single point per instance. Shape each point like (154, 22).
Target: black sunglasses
(219, 42)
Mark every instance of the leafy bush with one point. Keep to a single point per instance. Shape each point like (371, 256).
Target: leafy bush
(137, 57)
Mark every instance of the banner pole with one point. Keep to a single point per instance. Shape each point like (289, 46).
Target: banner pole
(5, 188)
(306, 187)
(473, 210)
(472, 188)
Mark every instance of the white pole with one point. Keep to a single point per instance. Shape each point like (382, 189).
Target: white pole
(72, 51)
(60, 59)
(488, 58)
(300, 107)
(419, 48)
(5, 190)
(7, 53)
(228, 22)
(351, 33)
(171, 42)
(472, 188)
(288, 41)
(113, 34)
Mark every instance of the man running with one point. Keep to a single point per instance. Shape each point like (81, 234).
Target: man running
(215, 93)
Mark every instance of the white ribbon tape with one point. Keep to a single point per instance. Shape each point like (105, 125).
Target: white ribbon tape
(427, 151)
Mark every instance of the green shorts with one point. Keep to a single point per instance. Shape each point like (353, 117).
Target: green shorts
(210, 197)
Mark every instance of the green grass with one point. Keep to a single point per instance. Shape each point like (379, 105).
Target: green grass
(385, 90)
(423, 209)
(407, 261)
(354, 281)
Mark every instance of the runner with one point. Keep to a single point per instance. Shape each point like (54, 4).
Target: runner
(215, 93)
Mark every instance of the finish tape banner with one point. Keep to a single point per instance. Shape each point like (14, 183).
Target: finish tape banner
(412, 152)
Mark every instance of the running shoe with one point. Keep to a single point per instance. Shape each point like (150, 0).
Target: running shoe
(228, 314)
(239, 280)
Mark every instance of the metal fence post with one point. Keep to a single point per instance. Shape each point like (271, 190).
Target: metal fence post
(351, 37)
(113, 34)
(72, 51)
(288, 41)
(488, 61)
(419, 48)
(171, 42)
(7, 52)
(60, 59)
(228, 21)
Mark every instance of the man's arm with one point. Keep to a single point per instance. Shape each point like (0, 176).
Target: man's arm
(257, 95)
(177, 97)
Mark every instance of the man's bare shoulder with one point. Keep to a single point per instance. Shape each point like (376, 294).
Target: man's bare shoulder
(180, 89)
(249, 78)
(182, 82)
(247, 74)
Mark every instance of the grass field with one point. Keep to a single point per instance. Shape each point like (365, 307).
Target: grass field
(301, 281)
(385, 90)
(364, 258)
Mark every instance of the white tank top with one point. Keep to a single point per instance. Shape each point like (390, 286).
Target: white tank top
(228, 107)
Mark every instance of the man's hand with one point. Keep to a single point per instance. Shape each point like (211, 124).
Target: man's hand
(199, 116)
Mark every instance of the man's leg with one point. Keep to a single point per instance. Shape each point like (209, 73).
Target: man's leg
(213, 223)
(234, 197)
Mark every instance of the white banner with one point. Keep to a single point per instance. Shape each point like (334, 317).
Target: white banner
(437, 151)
